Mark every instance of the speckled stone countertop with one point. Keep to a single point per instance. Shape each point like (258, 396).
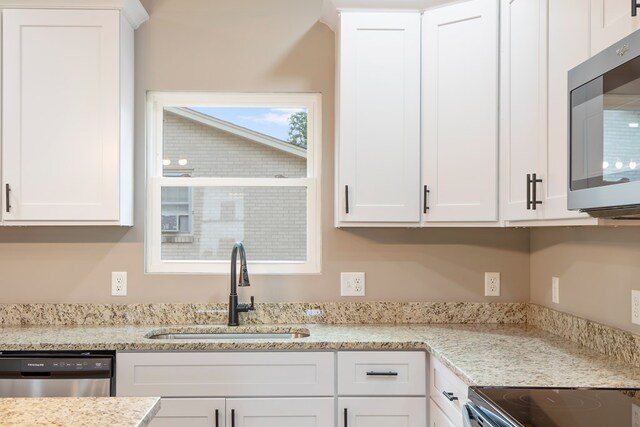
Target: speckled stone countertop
(480, 354)
(78, 411)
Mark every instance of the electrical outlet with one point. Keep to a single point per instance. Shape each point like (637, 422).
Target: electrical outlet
(492, 284)
(352, 284)
(555, 290)
(635, 307)
(118, 283)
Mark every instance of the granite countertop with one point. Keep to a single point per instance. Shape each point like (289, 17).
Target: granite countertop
(480, 354)
(78, 411)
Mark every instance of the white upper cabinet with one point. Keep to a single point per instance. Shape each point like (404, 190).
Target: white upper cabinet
(378, 118)
(67, 117)
(460, 112)
(523, 102)
(611, 20)
(568, 46)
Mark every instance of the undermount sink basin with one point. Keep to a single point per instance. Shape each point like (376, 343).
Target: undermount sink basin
(250, 333)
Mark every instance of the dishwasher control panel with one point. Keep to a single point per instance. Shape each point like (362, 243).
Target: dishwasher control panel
(52, 365)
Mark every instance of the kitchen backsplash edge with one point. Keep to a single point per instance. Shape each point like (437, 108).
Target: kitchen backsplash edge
(614, 342)
(49, 314)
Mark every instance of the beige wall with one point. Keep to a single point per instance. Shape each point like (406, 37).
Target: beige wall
(597, 267)
(254, 45)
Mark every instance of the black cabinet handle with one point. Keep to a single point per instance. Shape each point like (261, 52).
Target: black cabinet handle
(634, 7)
(534, 198)
(345, 417)
(532, 195)
(425, 202)
(346, 198)
(382, 374)
(7, 190)
(528, 191)
(233, 418)
(449, 396)
(217, 422)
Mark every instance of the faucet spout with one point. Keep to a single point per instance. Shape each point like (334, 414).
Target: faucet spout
(234, 307)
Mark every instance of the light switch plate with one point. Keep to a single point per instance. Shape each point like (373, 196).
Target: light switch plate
(555, 290)
(635, 307)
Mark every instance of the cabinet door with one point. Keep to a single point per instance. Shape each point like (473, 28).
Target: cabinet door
(523, 113)
(460, 120)
(292, 412)
(611, 20)
(60, 114)
(437, 418)
(568, 47)
(190, 412)
(382, 412)
(379, 118)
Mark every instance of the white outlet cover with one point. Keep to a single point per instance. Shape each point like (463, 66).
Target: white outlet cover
(118, 283)
(352, 284)
(635, 307)
(492, 284)
(555, 290)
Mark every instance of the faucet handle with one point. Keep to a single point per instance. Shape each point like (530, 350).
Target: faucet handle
(252, 307)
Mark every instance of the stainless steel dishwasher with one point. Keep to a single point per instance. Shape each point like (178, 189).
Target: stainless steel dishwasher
(56, 374)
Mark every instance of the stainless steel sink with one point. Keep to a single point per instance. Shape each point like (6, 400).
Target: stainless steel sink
(255, 332)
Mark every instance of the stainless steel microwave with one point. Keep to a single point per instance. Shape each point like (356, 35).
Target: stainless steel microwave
(604, 132)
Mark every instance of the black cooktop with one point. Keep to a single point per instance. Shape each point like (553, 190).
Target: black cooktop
(559, 407)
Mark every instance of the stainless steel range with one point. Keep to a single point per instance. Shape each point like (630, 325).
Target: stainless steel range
(552, 407)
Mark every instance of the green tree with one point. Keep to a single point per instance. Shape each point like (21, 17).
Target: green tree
(298, 129)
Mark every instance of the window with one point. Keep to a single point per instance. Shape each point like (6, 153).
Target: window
(176, 208)
(227, 167)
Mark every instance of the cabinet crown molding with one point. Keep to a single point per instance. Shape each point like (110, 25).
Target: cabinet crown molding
(332, 8)
(132, 10)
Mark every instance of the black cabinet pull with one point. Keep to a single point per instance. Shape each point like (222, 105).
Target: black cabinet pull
(382, 374)
(449, 396)
(345, 417)
(634, 7)
(7, 190)
(528, 191)
(233, 418)
(534, 197)
(217, 422)
(532, 194)
(425, 206)
(346, 198)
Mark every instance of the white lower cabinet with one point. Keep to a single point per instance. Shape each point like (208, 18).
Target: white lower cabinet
(281, 412)
(382, 388)
(279, 389)
(437, 418)
(448, 394)
(190, 412)
(245, 412)
(382, 411)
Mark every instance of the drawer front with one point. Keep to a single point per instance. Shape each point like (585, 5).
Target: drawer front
(225, 374)
(437, 418)
(443, 381)
(381, 373)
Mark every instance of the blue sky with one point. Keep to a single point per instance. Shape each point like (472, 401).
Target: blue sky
(270, 121)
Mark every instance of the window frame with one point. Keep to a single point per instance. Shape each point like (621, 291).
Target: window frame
(156, 103)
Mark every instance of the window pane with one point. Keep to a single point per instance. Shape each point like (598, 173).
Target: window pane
(271, 221)
(235, 142)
